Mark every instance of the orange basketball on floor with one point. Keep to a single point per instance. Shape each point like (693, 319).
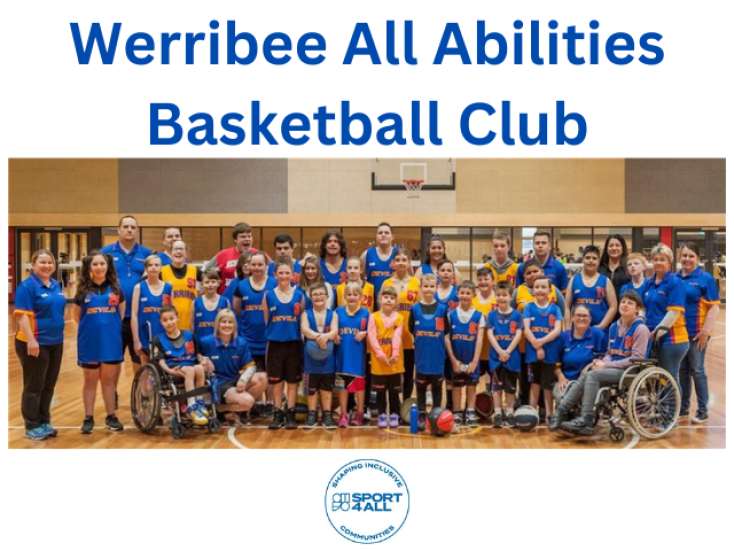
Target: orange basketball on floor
(441, 421)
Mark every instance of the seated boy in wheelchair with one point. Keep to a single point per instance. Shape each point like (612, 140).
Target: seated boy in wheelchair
(176, 355)
(628, 341)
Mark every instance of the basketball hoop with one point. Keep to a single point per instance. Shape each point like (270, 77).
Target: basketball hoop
(413, 187)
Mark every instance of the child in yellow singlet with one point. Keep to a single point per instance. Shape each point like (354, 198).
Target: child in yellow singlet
(183, 279)
(354, 275)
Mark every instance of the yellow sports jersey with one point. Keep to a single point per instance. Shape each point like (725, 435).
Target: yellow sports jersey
(509, 275)
(384, 337)
(523, 297)
(485, 308)
(368, 296)
(407, 298)
(183, 294)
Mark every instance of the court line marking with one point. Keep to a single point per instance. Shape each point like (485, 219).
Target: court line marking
(634, 441)
(233, 439)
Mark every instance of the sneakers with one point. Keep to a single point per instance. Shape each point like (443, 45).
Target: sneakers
(497, 421)
(343, 420)
(50, 431)
(268, 410)
(555, 421)
(358, 419)
(472, 421)
(311, 420)
(290, 419)
(113, 423)
(394, 420)
(366, 418)
(422, 416)
(700, 418)
(278, 419)
(36, 434)
(683, 413)
(457, 422)
(88, 425)
(578, 426)
(510, 420)
(382, 421)
(197, 415)
(327, 420)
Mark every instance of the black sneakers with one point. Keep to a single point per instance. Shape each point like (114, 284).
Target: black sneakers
(278, 419)
(311, 420)
(290, 419)
(497, 421)
(472, 421)
(579, 426)
(555, 420)
(88, 425)
(328, 420)
(113, 423)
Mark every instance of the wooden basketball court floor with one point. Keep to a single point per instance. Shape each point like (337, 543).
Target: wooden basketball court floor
(67, 413)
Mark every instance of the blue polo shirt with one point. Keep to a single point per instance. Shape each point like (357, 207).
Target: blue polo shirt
(669, 294)
(578, 353)
(701, 295)
(44, 305)
(554, 269)
(229, 360)
(130, 267)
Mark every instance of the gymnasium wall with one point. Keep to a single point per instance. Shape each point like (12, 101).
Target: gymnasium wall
(324, 192)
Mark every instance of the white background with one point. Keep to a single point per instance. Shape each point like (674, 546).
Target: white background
(53, 107)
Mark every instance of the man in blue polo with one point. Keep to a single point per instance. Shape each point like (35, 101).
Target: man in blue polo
(129, 258)
(553, 269)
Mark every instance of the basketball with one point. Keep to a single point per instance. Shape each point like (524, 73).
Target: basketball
(318, 354)
(484, 405)
(405, 409)
(441, 421)
(526, 418)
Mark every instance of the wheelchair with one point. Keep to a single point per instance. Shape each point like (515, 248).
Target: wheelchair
(157, 398)
(647, 396)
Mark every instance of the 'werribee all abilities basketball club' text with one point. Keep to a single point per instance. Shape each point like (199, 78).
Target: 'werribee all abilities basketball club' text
(480, 122)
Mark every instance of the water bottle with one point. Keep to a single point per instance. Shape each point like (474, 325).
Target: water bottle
(414, 419)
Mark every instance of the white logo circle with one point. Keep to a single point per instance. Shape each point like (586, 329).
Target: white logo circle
(367, 501)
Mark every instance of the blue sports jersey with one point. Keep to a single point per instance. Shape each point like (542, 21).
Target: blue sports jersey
(669, 294)
(464, 337)
(165, 259)
(252, 320)
(311, 365)
(130, 266)
(230, 289)
(426, 269)
(430, 347)
(451, 301)
(334, 279)
(578, 353)
(350, 354)
(630, 286)
(701, 295)
(177, 356)
(378, 270)
(504, 327)
(44, 306)
(204, 319)
(229, 360)
(542, 322)
(284, 317)
(595, 298)
(296, 271)
(553, 269)
(620, 348)
(99, 337)
(149, 307)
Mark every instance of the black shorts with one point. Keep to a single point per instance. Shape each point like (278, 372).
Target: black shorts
(284, 361)
(423, 381)
(259, 360)
(448, 369)
(320, 381)
(504, 379)
(127, 340)
(483, 367)
(542, 374)
(460, 380)
(223, 388)
(392, 383)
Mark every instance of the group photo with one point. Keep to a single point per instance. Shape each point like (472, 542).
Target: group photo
(453, 303)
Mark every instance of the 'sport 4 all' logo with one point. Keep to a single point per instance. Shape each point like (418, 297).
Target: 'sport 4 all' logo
(367, 501)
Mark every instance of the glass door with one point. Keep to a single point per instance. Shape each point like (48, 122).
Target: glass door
(69, 247)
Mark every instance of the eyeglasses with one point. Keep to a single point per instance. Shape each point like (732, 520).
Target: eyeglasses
(582, 316)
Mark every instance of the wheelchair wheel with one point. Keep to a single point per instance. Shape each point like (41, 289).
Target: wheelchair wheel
(653, 403)
(145, 399)
(178, 430)
(616, 434)
(214, 426)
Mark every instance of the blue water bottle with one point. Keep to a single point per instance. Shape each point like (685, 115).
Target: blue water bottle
(414, 419)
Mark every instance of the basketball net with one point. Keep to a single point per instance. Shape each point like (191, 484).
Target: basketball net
(413, 188)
